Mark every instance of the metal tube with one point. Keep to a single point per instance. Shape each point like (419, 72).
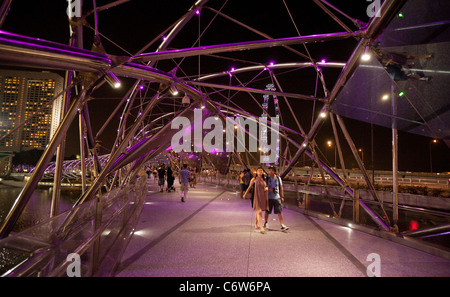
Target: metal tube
(82, 152)
(334, 17)
(75, 39)
(19, 50)
(251, 90)
(275, 66)
(350, 142)
(25, 195)
(338, 146)
(388, 9)
(428, 231)
(256, 31)
(394, 158)
(112, 160)
(232, 47)
(56, 194)
(4, 10)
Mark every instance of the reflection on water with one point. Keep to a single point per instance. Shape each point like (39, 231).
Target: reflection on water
(38, 208)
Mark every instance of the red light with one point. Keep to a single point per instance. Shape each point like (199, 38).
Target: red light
(413, 225)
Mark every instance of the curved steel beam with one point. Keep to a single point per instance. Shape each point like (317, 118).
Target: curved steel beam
(241, 46)
(272, 67)
(4, 10)
(257, 91)
(32, 52)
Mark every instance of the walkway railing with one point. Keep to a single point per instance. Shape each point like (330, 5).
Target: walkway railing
(87, 240)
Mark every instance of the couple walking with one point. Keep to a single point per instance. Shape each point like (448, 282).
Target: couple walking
(268, 194)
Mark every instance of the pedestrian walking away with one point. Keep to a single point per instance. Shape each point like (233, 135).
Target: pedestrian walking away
(276, 198)
(170, 180)
(161, 177)
(183, 178)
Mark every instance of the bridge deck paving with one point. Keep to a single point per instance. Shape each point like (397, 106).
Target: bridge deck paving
(212, 234)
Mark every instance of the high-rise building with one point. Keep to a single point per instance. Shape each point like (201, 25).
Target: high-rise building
(22, 94)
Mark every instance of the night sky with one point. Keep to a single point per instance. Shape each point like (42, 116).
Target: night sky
(132, 25)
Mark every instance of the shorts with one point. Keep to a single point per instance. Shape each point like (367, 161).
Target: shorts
(243, 188)
(161, 181)
(184, 187)
(275, 204)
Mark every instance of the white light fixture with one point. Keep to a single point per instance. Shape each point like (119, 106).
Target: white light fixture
(173, 90)
(366, 55)
(112, 80)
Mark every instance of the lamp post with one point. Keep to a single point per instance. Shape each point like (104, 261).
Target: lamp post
(362, 155)
(330, 144)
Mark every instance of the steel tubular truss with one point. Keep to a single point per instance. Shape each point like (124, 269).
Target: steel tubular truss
(142, 132)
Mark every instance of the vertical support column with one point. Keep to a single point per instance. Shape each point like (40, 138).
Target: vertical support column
(306, 198)
(356, 207)
(82, 153)
(338, 146)
(394, 160)
(76, 39)
(56, 193)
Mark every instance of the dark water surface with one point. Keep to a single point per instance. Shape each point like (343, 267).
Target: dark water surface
(38, 208)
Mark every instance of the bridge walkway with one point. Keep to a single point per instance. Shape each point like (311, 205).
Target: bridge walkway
(212, 235)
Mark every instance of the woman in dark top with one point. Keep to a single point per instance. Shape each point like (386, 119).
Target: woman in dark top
(170, 179)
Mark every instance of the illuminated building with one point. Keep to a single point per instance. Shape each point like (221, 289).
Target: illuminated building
(22, 94)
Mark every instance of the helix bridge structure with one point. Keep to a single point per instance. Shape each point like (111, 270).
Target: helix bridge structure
(391, 70)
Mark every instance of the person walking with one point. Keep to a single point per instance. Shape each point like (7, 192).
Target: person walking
(260, 200)
(170, 180)
(161, 177)
(276, 198)
(242, 183)
(247, 178)
(183, 178)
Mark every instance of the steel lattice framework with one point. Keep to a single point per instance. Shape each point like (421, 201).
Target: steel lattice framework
(144, 131)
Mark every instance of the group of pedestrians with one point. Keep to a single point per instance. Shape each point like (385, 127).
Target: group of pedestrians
(186, 178)
(267, 194)
(162, 174)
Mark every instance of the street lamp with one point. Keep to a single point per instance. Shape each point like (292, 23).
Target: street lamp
(330, 144)
(362, 155)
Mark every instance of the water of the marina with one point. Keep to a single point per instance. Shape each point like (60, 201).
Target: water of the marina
(38, 207)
